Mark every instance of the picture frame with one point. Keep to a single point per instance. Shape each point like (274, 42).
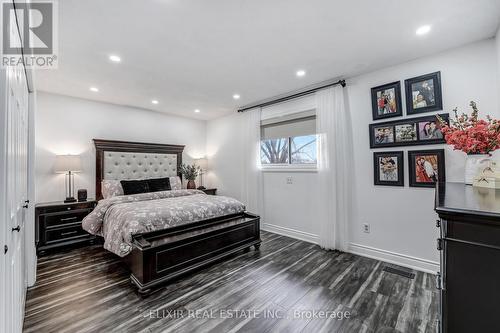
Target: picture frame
(423, 93)
(426, 167)
(388, 168)
(386, 101)
(407, 132)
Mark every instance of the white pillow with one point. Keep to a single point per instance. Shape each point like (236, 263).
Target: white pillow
(111, 188)
(175, 183)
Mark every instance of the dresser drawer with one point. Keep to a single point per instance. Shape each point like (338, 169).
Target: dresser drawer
(61, 234)
(55, 220)
(484, 234)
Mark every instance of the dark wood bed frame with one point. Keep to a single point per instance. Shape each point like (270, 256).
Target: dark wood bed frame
(160, 256)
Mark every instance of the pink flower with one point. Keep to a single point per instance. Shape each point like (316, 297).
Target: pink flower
(472, 135)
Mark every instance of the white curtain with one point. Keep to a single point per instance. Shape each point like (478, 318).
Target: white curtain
(335, 167)
(252, 186)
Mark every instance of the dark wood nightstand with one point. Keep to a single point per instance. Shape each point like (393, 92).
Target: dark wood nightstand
(59, 224)
(210, 191)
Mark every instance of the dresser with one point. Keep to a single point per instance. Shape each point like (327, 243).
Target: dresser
(59, 225)
(469, 245)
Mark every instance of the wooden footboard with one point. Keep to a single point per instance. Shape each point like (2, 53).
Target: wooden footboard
(160, 256)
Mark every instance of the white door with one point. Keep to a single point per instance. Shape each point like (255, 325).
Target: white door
(14, 194)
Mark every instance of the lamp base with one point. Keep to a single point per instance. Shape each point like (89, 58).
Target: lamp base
(70, 199)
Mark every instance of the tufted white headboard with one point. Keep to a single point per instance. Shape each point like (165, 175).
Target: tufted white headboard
(120, 160)
(122, 165)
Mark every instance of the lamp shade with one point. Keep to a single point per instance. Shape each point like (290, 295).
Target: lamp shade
(202, 163)
(65, 163)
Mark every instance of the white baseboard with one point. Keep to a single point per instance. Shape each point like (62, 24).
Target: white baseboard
(293, 233)
(404, 260)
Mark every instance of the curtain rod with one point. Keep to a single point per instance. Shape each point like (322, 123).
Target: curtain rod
(282, 98)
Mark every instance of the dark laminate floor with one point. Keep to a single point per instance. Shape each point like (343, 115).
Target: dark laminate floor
(88, 290)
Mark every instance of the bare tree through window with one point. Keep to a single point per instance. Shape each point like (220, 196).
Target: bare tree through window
(274, 151)
(301, 149)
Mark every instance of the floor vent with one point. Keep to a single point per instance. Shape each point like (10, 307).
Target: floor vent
(399, 272)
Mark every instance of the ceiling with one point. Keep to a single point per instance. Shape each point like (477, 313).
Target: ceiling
(195, 54)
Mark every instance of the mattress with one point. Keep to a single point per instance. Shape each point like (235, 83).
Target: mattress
(116, 219)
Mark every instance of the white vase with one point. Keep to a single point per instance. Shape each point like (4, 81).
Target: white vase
(474, 165)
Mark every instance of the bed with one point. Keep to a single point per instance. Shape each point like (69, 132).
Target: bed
(161, 235)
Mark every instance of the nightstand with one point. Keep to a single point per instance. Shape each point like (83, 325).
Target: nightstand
(59, 225)
(210, 191)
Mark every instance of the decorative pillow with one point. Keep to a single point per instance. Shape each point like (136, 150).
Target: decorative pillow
(111, 188)
(175, 183)
(159, 184)
(135, 186)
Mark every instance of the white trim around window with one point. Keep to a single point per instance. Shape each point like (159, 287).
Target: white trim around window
(289, 168)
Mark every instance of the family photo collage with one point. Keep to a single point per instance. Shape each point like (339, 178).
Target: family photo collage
(423, 94)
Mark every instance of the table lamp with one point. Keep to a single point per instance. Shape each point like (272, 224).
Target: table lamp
(69, 165)
(203, 164)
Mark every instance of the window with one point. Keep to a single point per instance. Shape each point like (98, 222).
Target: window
(289, 142)
(303, 149)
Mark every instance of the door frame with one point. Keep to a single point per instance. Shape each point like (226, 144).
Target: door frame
(27, 252)
(29, 230)
(3, 226)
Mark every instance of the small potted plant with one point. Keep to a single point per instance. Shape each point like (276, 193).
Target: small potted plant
(190, 172)
(478, 138)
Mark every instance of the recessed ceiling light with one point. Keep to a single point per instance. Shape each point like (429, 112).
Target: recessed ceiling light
(236, 96)
(197, 111)
(423, 30)
(115, 58)
(154, 101)
(94, 89)
(300, 73)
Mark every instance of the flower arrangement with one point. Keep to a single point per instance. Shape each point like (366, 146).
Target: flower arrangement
(190, 172)
(471, 134)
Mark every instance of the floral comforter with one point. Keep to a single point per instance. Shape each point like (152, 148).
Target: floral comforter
(118, 218)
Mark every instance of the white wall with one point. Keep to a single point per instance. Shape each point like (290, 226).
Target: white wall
(401, 219)
(67, 125)
(224, 154)
(288, 208)
(291, 209)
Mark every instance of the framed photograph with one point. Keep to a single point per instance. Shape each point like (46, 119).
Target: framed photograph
(426, 167)
(423, 93)
(407, 132)
(383, 134)
(429, 130)
(388, 168)
(386, 101)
